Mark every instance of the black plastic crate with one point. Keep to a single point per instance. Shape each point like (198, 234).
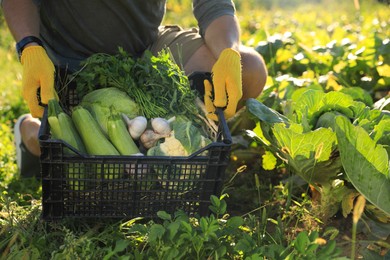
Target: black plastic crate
(81, 186)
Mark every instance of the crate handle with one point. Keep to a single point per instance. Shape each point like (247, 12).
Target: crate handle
(43, 134)
(227, 138)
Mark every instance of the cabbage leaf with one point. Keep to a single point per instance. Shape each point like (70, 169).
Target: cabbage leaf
(366, 163)
(310, 154)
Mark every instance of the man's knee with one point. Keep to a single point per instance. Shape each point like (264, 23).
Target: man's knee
(254, 74)
(254, 71)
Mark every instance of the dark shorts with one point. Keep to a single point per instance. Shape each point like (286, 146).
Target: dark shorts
(182, 43)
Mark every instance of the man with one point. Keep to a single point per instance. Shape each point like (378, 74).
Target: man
(55, 35)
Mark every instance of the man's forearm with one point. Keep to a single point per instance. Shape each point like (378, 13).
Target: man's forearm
(222, 33)
(22, 18)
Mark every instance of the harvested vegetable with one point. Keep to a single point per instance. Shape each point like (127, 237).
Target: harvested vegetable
(161, 125)
(93, 137)
(157, 86)
(170, 147)
(119, 136)
(185, 139)
(135, 126)
(108, 97)
(155, 83)
(62, 127)
(100, 102)
(150, 138)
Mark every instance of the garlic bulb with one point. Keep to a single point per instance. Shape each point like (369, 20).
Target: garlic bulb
(149, 138)
(136, 126)
(162, 125)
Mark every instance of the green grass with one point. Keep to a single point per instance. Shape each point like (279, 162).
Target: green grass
(274, 209)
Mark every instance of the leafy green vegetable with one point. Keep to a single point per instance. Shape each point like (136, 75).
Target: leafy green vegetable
(309, 154)
(185, 139)
(366, 163)
(100, 102)
(155, 83)
(309, 106)
(327, 120)
(313, 154)
(191, 137)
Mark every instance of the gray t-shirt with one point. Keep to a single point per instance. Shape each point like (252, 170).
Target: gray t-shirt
(72, 30)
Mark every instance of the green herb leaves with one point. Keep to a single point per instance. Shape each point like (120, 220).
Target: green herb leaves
(158, 86)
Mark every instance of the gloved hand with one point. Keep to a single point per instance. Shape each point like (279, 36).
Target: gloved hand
(38, 79)
(227, 81)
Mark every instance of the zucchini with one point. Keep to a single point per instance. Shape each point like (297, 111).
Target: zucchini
(62, 127)
(119, 135)
(95, 141)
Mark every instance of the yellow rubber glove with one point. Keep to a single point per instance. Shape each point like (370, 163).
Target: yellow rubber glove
(208, 100)
(227, 81)
(38, 79)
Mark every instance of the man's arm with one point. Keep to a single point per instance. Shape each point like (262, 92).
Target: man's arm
(222, 33)
(22, 18)
(222, 37)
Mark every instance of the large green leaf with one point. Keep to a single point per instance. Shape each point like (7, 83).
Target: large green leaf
(310, 154)
(381, 133)
(264, 113)
(307, 104)
(358, 94)
(313, 103)
(339, 102)
(365, 162)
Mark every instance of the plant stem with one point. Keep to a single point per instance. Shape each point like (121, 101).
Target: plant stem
(353, 249)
